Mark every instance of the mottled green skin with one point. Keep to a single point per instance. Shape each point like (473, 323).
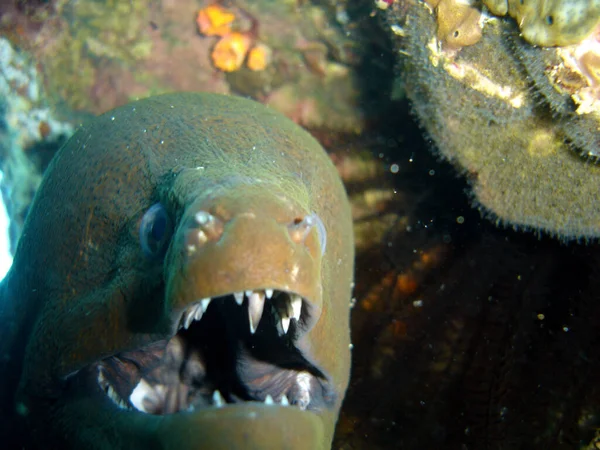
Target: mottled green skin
(81, 288)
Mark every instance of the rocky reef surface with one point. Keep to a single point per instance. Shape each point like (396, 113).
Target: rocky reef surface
(466, 335)
(30, 133)
(514, 105)
(87, 56)
(97, 55)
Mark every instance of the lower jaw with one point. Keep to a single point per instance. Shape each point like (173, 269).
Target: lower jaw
(251, 425)
(246, 426)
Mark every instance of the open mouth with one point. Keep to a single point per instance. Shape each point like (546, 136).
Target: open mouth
(229, 349)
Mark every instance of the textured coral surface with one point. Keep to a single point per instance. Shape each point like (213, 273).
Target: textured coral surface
(493, 109)
(89, 56)
(100, 54)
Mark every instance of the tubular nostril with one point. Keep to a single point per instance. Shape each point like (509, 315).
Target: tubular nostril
(300, 228)
(205, 227)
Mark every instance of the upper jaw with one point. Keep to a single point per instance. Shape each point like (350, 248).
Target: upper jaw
(237, 243)
(239, 426)
(287, 307)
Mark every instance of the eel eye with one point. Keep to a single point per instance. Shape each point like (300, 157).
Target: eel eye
(156, 230)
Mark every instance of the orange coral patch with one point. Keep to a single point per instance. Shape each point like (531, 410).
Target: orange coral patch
(230, 52)
(259, 57)
(214, 20)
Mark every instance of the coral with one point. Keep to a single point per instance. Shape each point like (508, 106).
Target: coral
(516, 149)
(25, 106)
(567, 80)
(498, 7)
(259, 57)
(583, 60)
(214, 20)
(230, 51)
(551, 22)
(458, 24)
(576, 28)
(30, 133)
(99, 54)
(96, 54)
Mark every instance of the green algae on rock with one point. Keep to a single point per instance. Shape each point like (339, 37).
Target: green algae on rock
(91, 35)
(186, 264)
(481, 112)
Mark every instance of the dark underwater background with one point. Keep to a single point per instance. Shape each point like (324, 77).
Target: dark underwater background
(472, 327)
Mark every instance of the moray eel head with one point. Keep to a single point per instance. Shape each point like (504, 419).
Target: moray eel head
(199, 296)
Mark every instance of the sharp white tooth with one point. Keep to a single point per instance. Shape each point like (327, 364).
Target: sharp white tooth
(296, 306)
(101, 377)
(218, 399)
(285, 324)
(269, 293)
(205, 302)
(284, 400)
(239, 297)
(198, 313)
(113, 394)
(248, 293)
(302, 398)
(138, 395)
(189, 318)
(256, 305)
(269, 400)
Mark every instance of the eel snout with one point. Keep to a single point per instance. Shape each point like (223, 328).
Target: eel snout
(243, 241)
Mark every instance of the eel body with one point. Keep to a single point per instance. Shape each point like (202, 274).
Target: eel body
(183, 281)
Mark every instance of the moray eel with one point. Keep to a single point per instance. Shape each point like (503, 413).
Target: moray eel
(183, 281)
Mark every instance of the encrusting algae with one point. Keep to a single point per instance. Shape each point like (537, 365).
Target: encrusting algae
(89, 36)
(522, 122)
